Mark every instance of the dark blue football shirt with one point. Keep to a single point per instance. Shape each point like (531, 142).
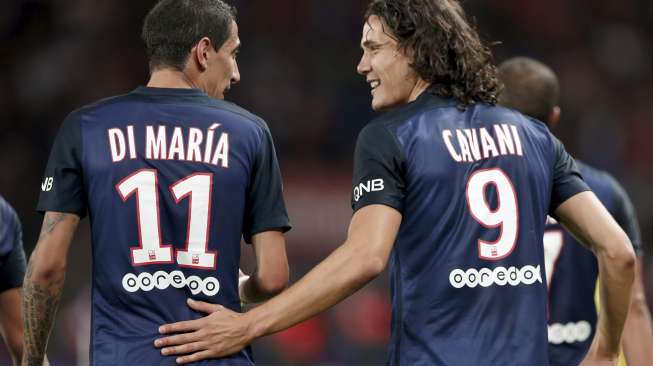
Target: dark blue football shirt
(572, 272)
(12, 256)
(171, 179)
(474, 187)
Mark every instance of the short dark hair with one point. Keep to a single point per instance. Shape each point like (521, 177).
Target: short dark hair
(173, 27)
(446, 49)
(531, 87)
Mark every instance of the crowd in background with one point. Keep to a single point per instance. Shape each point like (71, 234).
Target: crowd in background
(298, 69)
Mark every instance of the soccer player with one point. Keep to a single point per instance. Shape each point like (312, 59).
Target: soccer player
(454, 193)
(12, 270)
(532, 88)
(171, 177)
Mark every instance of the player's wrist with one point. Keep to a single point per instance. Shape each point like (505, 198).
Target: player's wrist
(600, 350)
(257, 324)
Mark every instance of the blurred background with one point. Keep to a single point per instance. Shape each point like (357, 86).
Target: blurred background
(298, 72)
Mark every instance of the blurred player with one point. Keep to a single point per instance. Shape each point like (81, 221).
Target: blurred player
(455, 192)
(12, 271)
(171, 176)
(532, 88)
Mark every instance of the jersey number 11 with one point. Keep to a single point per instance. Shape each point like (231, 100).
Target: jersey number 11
(197, 187)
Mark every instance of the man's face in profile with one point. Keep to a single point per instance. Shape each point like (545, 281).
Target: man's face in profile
(386, 68)
(223, 67)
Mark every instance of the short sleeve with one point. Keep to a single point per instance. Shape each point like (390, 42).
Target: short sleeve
(12, 266)
(62, 186)
(625, 215)
(567, 180)
(379, 169)
(266, 209)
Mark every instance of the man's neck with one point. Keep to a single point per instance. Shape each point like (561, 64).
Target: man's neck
(170, 78)
(419, 88)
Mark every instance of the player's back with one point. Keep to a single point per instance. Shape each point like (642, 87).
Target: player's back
(169, 176)
(572, 271)
(467, 267)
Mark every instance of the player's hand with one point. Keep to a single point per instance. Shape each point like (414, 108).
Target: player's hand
(221, 333)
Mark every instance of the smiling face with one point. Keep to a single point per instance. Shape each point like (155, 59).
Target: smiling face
(386, 68)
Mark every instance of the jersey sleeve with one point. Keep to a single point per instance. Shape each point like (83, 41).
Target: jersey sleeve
(12, 266)
(379, 169)
(62, 187)
(567, 180)
(266, 209)
(625, 215)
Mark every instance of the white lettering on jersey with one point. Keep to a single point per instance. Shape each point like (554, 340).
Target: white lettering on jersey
(155, 143)
(222, 151)
(131, 142)
(501, 276)
(570, 332)
(172, 143)
(117, 144)
(373, 185)
(476, 144)
(446, 136)
(161, 280)
(46, 186)
(177, 145)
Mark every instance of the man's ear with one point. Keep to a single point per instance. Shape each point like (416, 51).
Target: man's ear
(554, 117)
(201, 51)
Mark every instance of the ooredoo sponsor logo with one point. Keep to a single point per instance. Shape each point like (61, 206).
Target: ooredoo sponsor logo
(161, 280)
(571, 332)
(500, 276)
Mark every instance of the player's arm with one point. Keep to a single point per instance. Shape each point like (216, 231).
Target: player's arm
(586, 218)
(360, 259)
(11, 280)
(44, 282)
(63, 203)
(372, 233)
(271, 274)
(578, 209)
(638, 333)
(11, 324)
(12, 272)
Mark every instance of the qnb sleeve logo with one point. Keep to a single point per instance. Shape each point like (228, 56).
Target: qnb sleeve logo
(161, 280)
(500, 276)
(570, 332)
(46, 186)
(373, 185)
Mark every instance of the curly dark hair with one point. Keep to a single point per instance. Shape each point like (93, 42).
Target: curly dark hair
(446, 49)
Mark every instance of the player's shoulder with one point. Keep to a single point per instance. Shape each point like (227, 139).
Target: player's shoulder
(602, 183)
(239, 112)
(536, 130)
(192, 97)
(425, 103)
(78, 114)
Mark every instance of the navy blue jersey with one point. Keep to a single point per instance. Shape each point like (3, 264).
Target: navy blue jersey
(12, 256)
(171, 179)
(474, 188)
(572, 271)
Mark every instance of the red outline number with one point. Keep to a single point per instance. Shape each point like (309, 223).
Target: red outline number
(505, 215)
(198, 186)
(150, 249)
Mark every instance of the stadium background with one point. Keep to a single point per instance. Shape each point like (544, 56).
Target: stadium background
(298, 72)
